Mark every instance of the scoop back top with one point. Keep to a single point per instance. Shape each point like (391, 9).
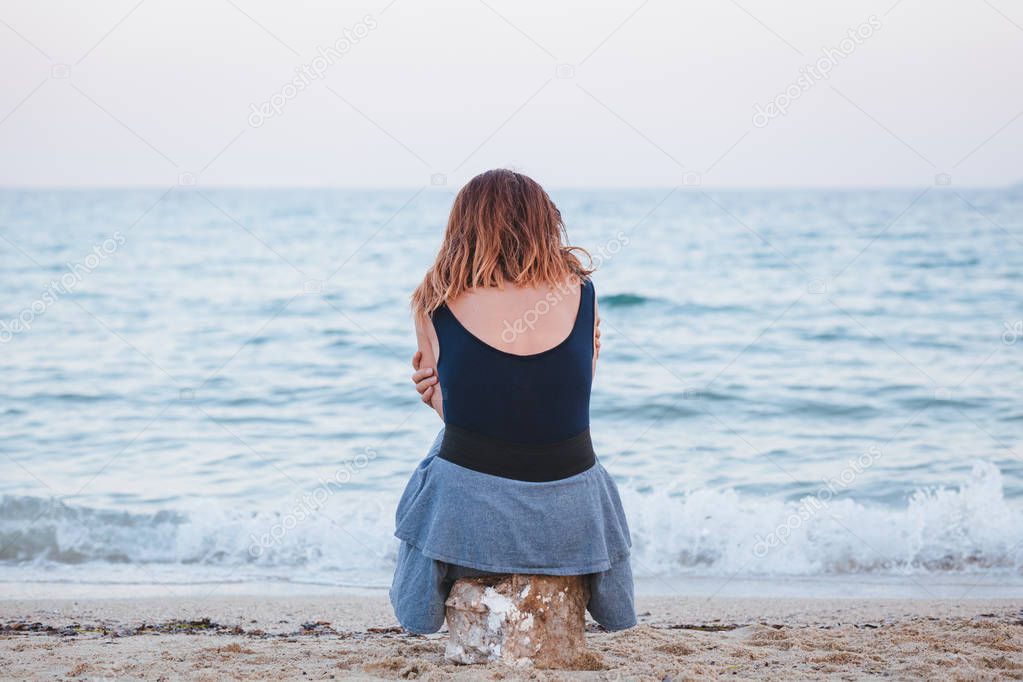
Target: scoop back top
(495, 400)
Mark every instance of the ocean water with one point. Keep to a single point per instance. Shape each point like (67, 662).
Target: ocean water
(210, 386)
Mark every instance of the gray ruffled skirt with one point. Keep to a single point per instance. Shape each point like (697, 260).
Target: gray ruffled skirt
(454, 522)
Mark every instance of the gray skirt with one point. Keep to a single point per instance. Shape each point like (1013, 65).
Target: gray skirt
(454, 522)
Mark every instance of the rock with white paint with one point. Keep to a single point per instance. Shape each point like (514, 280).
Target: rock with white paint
(519, 620)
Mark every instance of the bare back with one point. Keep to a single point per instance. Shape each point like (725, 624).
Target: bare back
(521, 321)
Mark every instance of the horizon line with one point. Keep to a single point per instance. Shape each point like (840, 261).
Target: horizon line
(552, 187)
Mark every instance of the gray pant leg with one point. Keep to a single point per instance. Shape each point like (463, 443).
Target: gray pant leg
(612, 597)
(418, 591)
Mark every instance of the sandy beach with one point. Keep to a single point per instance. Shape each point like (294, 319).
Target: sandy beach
(355, 637)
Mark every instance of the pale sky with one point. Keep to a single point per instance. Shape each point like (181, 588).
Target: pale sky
(577, 94)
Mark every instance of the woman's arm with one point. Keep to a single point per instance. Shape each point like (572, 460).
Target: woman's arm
(425, 363)
(596, 336)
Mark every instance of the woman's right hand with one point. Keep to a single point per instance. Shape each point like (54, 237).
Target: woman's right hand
(425, 379)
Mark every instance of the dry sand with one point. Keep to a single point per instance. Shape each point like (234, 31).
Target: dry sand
(354, 637)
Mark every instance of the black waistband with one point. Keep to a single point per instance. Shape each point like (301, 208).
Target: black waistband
(535, 463)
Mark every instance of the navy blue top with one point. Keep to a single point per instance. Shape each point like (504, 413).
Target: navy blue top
(533, 399)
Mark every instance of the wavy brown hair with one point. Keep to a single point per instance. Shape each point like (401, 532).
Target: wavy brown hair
(503, 228)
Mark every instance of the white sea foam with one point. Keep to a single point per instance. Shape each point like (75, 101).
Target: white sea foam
(961, 529)
(964, 528)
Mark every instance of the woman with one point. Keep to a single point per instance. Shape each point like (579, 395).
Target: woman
(506, 323)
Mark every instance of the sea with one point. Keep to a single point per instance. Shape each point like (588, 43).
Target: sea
(800, 392)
